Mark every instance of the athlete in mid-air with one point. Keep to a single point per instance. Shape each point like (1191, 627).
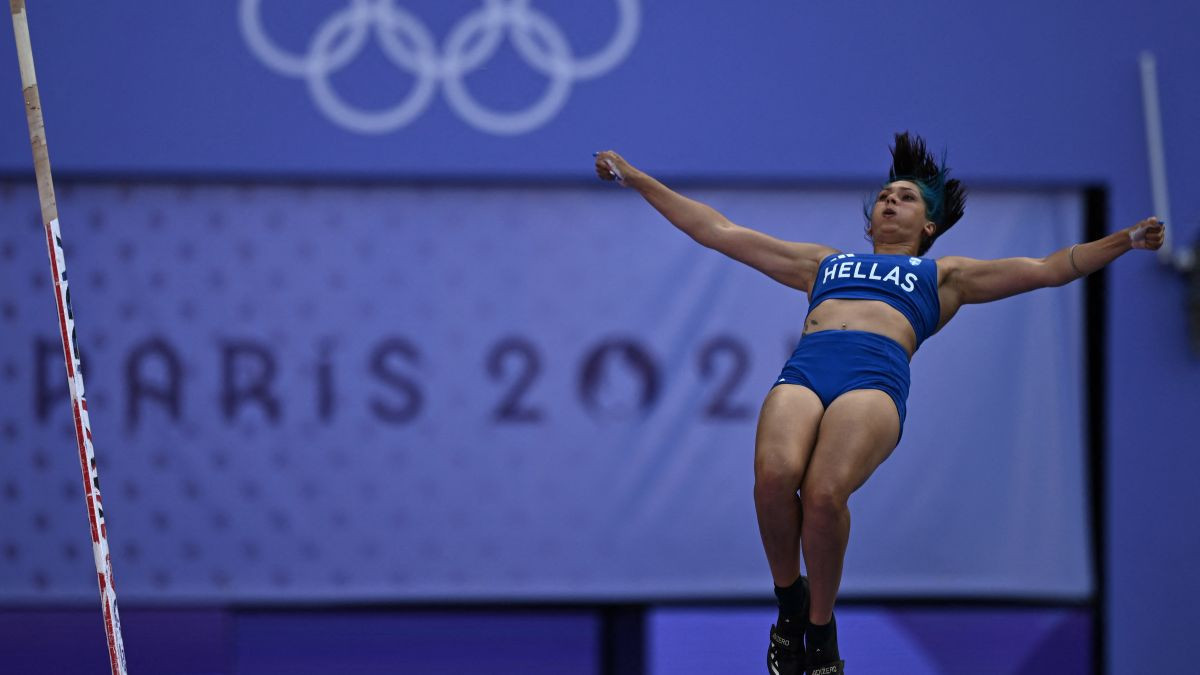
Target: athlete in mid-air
(837, 410)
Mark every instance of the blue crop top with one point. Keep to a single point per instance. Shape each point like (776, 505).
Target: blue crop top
(907, 284)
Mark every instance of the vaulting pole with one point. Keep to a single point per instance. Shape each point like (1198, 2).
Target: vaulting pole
(66, 326)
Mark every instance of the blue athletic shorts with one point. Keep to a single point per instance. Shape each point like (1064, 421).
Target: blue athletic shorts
(833, 362)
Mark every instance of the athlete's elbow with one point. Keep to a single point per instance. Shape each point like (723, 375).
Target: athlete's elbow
(717, 234)
(1050, 274)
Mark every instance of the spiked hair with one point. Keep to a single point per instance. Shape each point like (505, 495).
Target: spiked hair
(945, 198)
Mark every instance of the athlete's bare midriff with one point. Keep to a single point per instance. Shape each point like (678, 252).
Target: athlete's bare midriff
(871, 316)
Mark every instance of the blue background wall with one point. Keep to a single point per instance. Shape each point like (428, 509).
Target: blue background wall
(1019, 92)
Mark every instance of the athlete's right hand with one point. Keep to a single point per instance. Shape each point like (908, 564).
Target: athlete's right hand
(1147, 234)
(611, 166)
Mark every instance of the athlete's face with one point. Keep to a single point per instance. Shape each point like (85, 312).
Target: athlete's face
(899, 214)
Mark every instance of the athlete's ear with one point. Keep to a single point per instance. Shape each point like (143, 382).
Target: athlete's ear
(930, 228)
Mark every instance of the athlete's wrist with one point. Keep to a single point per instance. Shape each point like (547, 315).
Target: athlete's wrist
(636, 179)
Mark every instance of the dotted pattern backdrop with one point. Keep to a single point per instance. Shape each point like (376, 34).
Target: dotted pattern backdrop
(402, 393)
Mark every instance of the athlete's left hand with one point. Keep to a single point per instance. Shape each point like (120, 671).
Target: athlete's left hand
(1148, 234)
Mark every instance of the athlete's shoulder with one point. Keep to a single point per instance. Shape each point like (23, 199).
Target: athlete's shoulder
(831, 254)
(953, 262)
(951, 266)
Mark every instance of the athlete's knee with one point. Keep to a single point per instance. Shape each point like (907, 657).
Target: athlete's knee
(824, 498)
(773, 479)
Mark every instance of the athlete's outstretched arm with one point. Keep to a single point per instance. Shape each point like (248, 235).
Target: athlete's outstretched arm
(972, 281)
(790, 263)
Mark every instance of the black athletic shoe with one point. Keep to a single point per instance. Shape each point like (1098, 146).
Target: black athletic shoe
(822, 650)
(785, 656)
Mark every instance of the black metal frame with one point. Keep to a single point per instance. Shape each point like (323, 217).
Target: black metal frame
(1095, 223)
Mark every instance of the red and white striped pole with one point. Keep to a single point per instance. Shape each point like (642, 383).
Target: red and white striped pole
(66, 326)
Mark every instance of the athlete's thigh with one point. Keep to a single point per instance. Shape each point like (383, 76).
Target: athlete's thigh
(858, 432)
(787, 429)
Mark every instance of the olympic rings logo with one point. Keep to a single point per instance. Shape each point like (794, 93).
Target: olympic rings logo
(408, 45)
